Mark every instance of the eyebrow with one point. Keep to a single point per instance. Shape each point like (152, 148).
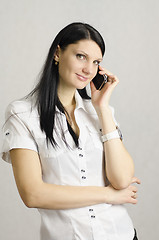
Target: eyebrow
(88, 55)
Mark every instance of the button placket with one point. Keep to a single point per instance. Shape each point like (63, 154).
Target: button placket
(80, 155)
(7, 132)
(79, 148)
(91, 213)
(82, 166)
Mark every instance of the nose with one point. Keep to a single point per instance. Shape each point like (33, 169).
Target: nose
(88, 68)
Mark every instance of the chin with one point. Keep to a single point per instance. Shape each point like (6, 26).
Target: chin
(81, 86)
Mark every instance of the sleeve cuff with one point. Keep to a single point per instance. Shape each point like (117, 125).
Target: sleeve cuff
(17, 142)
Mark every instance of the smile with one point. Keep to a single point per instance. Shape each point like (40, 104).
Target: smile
(81, 77)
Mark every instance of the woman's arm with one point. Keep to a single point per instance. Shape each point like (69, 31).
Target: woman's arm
(35, 193)
(119, 164)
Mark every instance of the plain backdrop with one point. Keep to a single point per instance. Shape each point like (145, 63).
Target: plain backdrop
(130, 29)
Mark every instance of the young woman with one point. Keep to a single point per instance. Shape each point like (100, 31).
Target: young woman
(67, 156)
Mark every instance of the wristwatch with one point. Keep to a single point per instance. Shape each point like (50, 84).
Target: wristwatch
(112, 135)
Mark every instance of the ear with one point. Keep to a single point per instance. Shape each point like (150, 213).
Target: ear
(57, 54)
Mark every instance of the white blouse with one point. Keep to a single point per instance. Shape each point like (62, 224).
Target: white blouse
(82, 166)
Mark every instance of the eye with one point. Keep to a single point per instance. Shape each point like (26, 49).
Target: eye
(80, 56)
(97, 62)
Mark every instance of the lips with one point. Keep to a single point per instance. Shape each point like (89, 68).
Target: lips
(82, 78)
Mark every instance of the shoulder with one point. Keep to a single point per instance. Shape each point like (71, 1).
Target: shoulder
(22, 107)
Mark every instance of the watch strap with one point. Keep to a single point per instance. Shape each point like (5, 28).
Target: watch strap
(112, 135)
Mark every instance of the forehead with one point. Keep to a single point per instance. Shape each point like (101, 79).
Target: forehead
(89, 47)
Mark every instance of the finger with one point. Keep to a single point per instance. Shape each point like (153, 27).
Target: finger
(109, 85)
(112, 79)
(133, 189)
(112, 82)
(133, 194)
(135, 180)
(105, 70)
(133, 201)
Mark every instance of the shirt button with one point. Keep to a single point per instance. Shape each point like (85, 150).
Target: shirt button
(90, 209)
(92, 216)
(83, 177)
(82, 170)
(80, 155)
(7, 133)
(79, 148)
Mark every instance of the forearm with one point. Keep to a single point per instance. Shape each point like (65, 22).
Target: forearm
(36, 193)
(51, 196)
(119, 164)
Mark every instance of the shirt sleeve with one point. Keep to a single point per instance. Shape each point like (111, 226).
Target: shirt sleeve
(16, 134)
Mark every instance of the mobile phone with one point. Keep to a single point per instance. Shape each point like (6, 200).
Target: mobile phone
(99, 80)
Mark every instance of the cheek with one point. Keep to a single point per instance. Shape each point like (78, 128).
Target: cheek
(65, 70)
(63, 66)
(66, 63)
(94, 74)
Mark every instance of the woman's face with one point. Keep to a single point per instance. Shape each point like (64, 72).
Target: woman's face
(78, 63)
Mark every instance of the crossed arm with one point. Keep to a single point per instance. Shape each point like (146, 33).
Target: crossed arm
(35, 193)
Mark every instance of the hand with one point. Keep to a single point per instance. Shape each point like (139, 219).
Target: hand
(100, 98)
(127, 195)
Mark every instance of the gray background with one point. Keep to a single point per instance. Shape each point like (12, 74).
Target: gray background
(130, 29)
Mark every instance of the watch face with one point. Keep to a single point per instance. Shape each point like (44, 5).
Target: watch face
(120, 133)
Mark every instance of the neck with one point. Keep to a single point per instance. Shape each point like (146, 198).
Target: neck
(66, 96)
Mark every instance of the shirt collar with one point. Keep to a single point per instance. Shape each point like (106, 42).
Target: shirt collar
(79, 103)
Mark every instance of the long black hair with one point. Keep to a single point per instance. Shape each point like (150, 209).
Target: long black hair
(46, 90)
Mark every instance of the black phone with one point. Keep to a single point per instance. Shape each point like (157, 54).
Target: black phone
(99, 80)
